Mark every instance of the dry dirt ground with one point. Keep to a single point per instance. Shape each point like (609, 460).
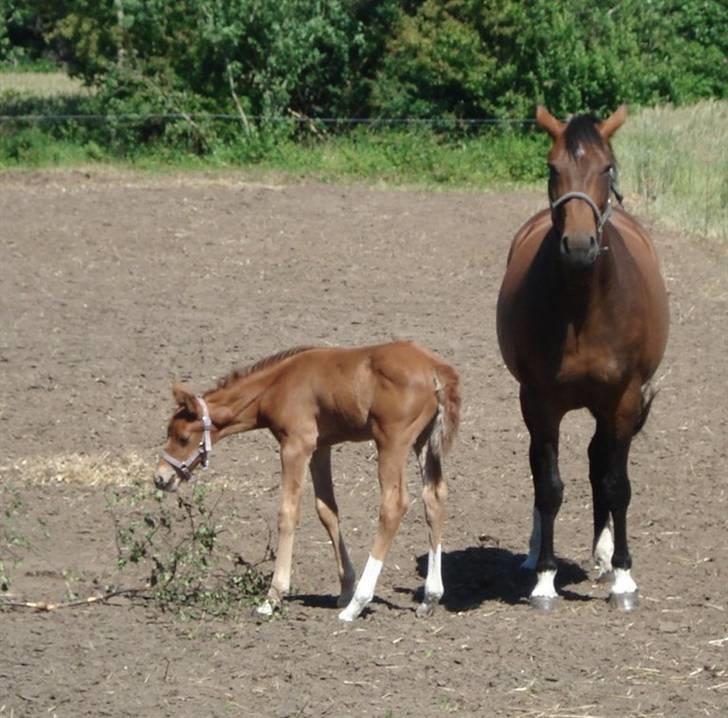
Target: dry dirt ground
(114, 285)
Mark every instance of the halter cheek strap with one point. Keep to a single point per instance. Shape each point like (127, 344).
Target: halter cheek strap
(201, 453)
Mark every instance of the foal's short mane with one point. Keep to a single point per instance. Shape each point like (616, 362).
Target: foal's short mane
(581, 130)
(260, 364)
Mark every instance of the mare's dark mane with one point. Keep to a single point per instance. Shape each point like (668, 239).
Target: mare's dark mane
(260, 364)
(581, 130)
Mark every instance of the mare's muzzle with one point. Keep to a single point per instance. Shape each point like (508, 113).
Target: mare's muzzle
(580, 250)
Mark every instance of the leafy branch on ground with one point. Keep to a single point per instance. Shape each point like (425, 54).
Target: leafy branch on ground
(174, 542)
(10, 538)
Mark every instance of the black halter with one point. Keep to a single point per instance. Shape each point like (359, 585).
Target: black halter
(601, 217)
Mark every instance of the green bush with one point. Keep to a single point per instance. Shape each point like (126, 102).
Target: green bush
(425, 58)
(276, 56)
(490, 58)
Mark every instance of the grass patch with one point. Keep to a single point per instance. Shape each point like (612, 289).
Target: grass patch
(410, 157)
(400, 157)
(676, 159)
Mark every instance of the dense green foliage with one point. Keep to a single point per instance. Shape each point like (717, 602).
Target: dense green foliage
(499, 58)
(422, 58)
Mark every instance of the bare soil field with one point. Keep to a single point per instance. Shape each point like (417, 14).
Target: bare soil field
(115, 285)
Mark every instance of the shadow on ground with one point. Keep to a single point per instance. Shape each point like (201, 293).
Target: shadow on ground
(472, 577)
(481, 574)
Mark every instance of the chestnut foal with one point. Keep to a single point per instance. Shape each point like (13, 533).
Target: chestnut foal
(399, 394)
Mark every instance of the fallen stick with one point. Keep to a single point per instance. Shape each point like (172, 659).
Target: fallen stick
(42, 606)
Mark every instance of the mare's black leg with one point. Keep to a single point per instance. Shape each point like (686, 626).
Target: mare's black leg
(617, 428)
(618, 493)
(603, 546)
(543, 426)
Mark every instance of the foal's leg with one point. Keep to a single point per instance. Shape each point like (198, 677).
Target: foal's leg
(328, 512)
(295, 454)
(543, 426)
(603, 546)
(434, 494)
(394, 502)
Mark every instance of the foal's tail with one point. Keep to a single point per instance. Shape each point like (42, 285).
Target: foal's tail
(446, 421)
(647, 397)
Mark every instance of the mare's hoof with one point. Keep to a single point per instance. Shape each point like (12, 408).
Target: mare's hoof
(624, 601)
(605, 577)
(544, 603)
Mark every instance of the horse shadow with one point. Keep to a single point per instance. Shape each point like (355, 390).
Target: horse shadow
(478, 575)
(473, 576)
(328, 601)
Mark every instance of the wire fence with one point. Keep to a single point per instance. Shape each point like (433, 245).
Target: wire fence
(132, 118)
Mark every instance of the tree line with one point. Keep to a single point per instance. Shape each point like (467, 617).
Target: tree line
(379, 58)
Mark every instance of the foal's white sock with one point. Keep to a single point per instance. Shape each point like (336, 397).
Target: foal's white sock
(364, 590)
(433, 583)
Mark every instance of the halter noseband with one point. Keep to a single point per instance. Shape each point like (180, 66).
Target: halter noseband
(201, 453)
(601, 217)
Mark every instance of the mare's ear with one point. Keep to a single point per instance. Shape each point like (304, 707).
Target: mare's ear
(609, 126)
(546, 121)
(185, 398)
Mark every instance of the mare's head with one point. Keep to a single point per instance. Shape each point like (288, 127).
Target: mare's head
(582, 171)
(189, 440)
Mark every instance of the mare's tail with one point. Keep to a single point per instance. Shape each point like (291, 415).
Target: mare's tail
(446, 421)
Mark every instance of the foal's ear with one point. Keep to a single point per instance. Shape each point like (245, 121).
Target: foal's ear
(546, 121)
(609, 126)
(185, 398)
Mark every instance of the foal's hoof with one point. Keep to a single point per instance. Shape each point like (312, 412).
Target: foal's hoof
(344, 599)
(424, 610)
(605, 577)
(544, 603)
(266, 609)
(624, 601)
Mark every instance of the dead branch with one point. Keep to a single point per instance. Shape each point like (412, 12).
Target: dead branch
(241, 111)
(43, 606)
(304, 118)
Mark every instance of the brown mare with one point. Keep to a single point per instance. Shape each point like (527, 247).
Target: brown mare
(400, 395)
(582, 322)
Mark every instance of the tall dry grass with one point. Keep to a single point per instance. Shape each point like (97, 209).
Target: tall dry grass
(41, 84)
(676, 159)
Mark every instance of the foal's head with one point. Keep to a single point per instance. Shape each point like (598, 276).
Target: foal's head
(189, 440)
(582, 171)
